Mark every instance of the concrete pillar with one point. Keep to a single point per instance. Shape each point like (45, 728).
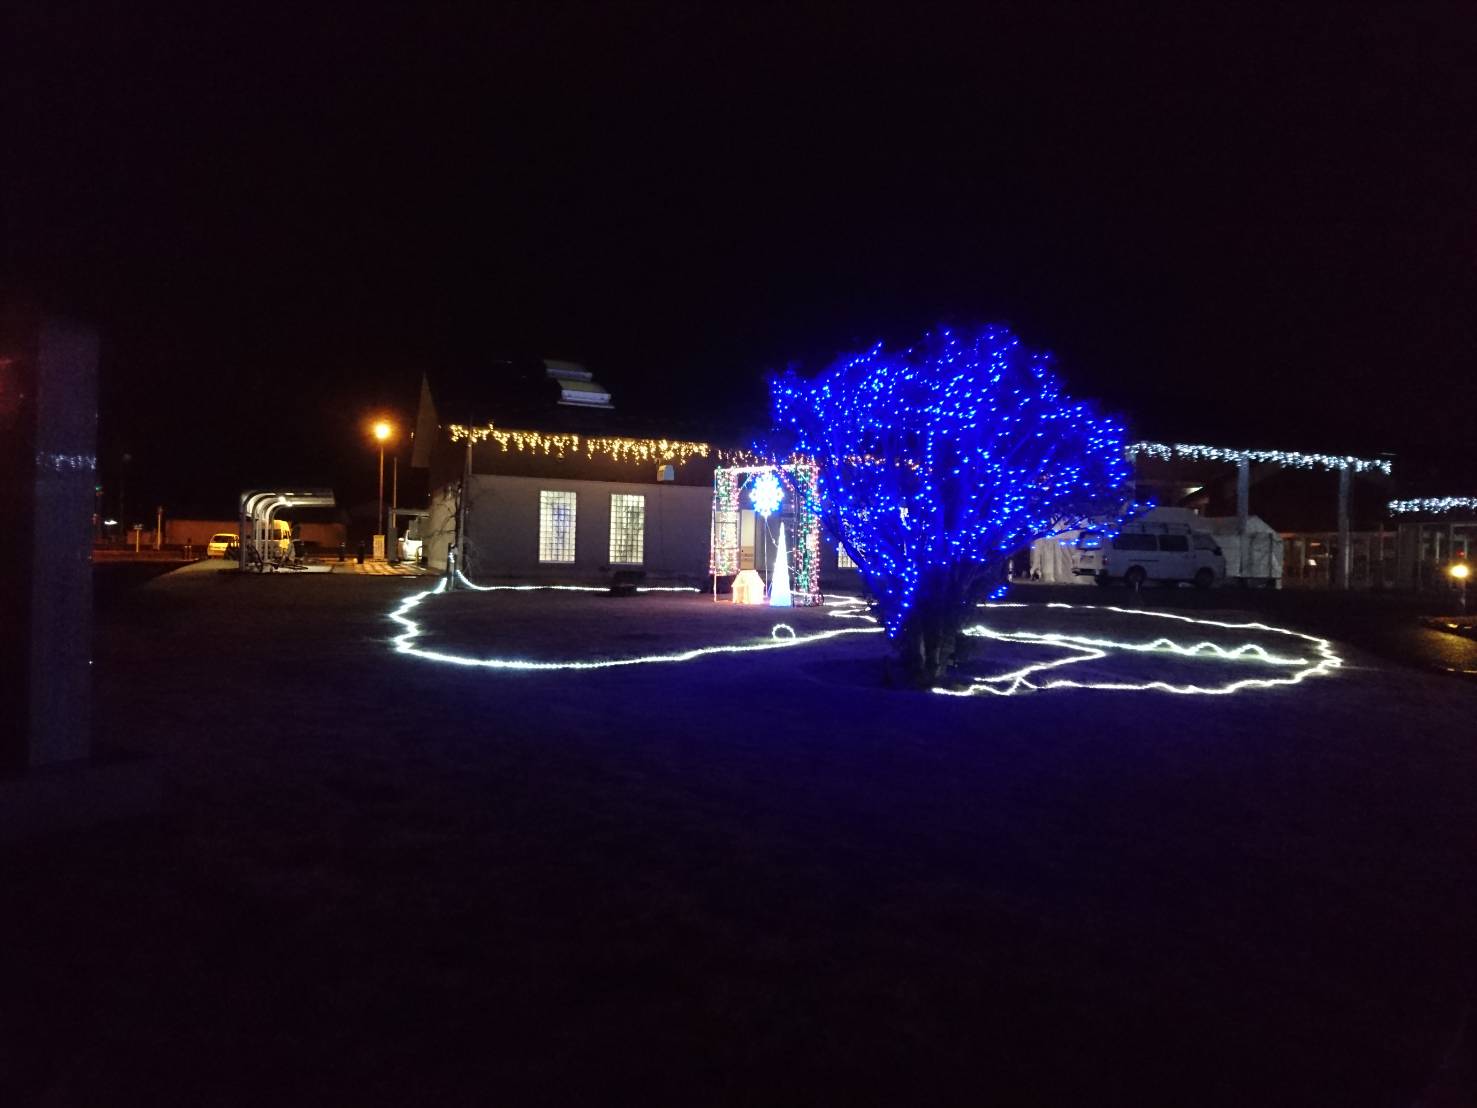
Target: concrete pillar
(48, 465)
(1407, 554)
(1243, 510)
(48, 478)
(1243, 493)
(1345, 561)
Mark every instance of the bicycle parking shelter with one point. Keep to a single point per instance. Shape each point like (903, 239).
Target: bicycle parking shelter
(258, 548)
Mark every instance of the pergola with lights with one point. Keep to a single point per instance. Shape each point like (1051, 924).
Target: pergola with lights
(1346, 466)
(1437, 535)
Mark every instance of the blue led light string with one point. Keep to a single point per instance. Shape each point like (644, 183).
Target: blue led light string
(940, 461)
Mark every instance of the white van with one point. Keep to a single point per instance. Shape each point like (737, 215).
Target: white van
(1142, 551)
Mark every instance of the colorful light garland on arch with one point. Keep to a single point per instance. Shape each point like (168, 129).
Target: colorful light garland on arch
(801, 479)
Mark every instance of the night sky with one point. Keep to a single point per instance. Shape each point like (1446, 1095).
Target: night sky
(1253, 231)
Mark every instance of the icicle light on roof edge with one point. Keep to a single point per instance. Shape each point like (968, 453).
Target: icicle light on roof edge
(558, 445)
(1433, 505)
(1195, 452)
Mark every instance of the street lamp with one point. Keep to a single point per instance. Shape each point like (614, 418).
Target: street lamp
(1459, 573)
(383, 432)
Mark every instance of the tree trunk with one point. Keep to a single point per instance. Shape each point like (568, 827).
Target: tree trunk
(930, 642)
(927, 648)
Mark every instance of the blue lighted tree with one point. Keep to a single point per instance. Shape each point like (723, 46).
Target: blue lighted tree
(941, 461)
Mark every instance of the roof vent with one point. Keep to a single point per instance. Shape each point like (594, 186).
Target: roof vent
(577, 385)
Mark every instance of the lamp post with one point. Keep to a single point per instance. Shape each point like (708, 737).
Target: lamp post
(392, 536)
(382, 432)
(1459, 573)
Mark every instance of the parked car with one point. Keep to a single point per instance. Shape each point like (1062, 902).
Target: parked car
(1142, 551)
(219, 545)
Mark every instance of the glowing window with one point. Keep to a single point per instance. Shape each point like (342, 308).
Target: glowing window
(627, 528)
(843, 559)
(555, 526)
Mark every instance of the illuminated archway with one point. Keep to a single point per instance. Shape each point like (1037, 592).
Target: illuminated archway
(793, 483)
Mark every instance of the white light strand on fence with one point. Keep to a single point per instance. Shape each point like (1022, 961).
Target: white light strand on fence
(1166, 451)
(1433, 505)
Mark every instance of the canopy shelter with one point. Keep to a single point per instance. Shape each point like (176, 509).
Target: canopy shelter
(1433, 535)
(1346, 466)
(259, 508)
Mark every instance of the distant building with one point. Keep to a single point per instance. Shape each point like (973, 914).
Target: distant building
(560, 488)
(563, 487)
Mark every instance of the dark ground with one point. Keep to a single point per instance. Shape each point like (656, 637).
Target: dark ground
(755, 880)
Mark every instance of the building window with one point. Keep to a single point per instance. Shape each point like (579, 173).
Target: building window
(843, 559)
(555, 526)
(627, 528)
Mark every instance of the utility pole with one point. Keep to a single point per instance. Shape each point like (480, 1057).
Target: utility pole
(123, 492)
(463, 496)
(392, 535)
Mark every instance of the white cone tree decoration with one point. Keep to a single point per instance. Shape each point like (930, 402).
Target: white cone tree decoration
(779, 583)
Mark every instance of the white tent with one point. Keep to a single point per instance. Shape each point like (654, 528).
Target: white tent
(1051, 560)
(1253, 557)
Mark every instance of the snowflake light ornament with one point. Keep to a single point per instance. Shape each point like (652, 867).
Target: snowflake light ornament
(766, 494)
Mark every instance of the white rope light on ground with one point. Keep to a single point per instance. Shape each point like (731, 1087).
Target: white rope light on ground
(1091, 648)
(1322, 661)
(782, 635)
